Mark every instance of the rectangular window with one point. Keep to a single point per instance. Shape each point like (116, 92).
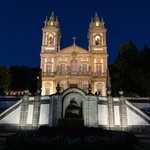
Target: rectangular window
(48, 70)
(84, 68)
(47, 91)
(98, 69)
(63, 68)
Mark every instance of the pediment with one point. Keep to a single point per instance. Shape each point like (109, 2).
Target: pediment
(72, 49)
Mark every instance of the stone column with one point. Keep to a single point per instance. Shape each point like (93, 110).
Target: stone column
(123, 113)
(36, 112)
(55, 110)
(110, 112)
(24, 111)
(90, 111)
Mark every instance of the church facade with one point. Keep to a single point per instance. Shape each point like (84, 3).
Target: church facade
(74, 66)
(69, 79)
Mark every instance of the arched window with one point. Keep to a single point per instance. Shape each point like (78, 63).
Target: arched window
(98, 69)
(50, 39)
(48, 69)
(97, 23)
(74, 66)
(84, 68)
(97, 40)
(62, 68)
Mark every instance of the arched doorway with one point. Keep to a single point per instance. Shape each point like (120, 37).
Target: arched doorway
(72, 105)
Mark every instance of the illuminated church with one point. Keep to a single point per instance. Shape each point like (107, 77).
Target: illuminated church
(74, 66)
(74, 86)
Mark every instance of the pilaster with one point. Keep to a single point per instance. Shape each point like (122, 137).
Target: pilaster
(110, 112)
(123, 113)
(36, 112)
(24, 112)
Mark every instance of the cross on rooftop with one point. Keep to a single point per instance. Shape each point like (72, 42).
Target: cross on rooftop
(74, 38)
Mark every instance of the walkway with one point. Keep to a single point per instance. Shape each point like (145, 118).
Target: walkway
(3, 137)
(144, 143)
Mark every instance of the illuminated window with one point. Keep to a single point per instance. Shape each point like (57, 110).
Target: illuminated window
(97, 23)
(48, 59)
(50, 39)
(97, 40)
(63, 68)
(47, 91)
(73, 66)
(48, 69)
(98, 69)
(84, 67)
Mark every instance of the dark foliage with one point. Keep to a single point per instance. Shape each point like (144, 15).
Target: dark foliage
(24, 78)
(130, 71)
(74, 131)
(65, 137)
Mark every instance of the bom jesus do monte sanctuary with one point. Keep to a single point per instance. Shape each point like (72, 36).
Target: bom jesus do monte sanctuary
(74, 86)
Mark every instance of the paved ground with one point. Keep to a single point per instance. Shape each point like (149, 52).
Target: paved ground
(144, 143)
(143, 137)
(3, 137)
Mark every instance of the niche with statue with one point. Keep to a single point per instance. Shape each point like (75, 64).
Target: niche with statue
(73, 110)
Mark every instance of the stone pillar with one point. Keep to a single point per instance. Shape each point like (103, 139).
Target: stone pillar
(111, 118)
(36, 112)
(123, 113)
(55, 110)
(90, 111)
(24, 111)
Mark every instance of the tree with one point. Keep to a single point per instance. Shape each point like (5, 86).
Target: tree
(24, 77)
(124, 67)
(5, 79)
(130, 71)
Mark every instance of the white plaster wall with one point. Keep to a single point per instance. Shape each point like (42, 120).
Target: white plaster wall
(102, 115)
(116, 115)
(30, 114)
(12, 118)
(134, 119)
(93, 113)
(116, 99)
(44, 114)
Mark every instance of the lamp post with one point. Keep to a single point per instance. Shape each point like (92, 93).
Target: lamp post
(109, 92)
(121, 93)
(58, 88)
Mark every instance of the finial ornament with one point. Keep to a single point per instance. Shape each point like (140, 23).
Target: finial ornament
(39, 83)
(74, 39)
(58, 88)
(89, 89)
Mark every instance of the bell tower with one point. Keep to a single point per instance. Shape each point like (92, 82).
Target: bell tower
(98, 48)
(97, 35)
(51, 35)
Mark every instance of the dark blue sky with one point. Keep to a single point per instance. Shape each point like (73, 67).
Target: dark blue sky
(21, 23)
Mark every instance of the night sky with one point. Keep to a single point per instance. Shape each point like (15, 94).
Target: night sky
(21, 23)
